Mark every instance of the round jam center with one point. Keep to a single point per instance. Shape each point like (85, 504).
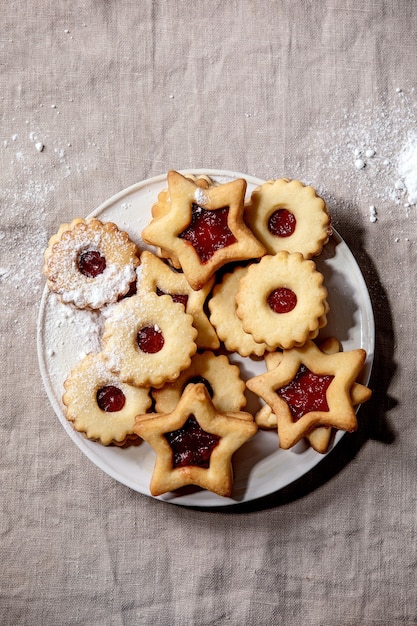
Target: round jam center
(110, 399)
(208, 231)
(282, 223)
(150, 339)
(91, 263)
(191, 444)
(282, 300)
(306, 393)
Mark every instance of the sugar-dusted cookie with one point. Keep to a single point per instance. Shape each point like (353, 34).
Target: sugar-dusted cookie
(221, 378)
(156, 276)
(282, 300)
(287, 215)
(148, 339)
(194, 443)
(309, 388)
(99, 405)
(90, 263)
(204, 228)
(228, 325)
(320, 437)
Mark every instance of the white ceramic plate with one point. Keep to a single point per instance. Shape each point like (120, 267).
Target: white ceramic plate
(261, 468)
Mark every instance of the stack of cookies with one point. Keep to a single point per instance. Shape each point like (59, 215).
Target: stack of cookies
(223, 276)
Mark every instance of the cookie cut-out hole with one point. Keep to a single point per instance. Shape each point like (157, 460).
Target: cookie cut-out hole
(110, 399)
(191, 445)
(195, 380)
(91, 263)
(282, 223)
(306, 392)
(208, 231)
(282, 300)
(150, 339)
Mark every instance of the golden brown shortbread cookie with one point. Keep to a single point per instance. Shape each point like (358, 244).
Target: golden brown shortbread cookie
(194, 443)
(90, 263)
(204, 228)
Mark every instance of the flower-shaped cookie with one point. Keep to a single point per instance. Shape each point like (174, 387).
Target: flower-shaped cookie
(286, 215)
(148, 339)
(204, 228)
(99, 405)
(90, 263)
(309, 388)
(228, 325)
(282, 300)
(194, 443)
(320, 437)
(156, 276)
(221, 378)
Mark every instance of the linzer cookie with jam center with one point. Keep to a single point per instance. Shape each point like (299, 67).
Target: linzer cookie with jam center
(99, 405)
(309, 388)
(320, 437)
(194, 443)
(89, 263)
(148, 340)
(287, 215)
(282, 300)
(204, 228)
(222, 379)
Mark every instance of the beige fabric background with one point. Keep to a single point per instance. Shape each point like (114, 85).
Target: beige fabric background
(120, 91)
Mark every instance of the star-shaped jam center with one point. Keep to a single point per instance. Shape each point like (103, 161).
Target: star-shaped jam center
(306, 392)
(208, 231)
(191, 444)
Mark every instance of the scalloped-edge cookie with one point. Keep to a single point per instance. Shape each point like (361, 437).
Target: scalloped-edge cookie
(320, 437)
(204, 228)
(99, 405)
(194, 443)
(90, 263)
(223, 316)
(282, 300)
(287, 215)
(222, 379)
(309, 388)
(156, 276)
(148, 339)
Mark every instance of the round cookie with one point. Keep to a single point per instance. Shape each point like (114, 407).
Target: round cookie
(282, 300)
(99, 405)
(287, 215)
(90, 263)
(221, 378)
(149, 339)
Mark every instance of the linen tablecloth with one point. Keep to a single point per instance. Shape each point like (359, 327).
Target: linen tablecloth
(96, 96)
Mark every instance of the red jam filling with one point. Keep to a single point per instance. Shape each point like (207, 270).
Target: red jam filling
(194, 380)
(282, 300)
(150, 339)
(110, 399)
(208, 231)
(91, 263)
(177, 297)
(191, 444)
(306, 393)
(282, 223)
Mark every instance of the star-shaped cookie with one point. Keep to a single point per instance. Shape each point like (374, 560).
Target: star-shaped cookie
(326, 394)
(155, 275)
(319, 438)
(194, 443)
(204, 228)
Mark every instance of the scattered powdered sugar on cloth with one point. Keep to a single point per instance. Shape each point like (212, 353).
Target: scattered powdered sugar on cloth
(369, 153)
